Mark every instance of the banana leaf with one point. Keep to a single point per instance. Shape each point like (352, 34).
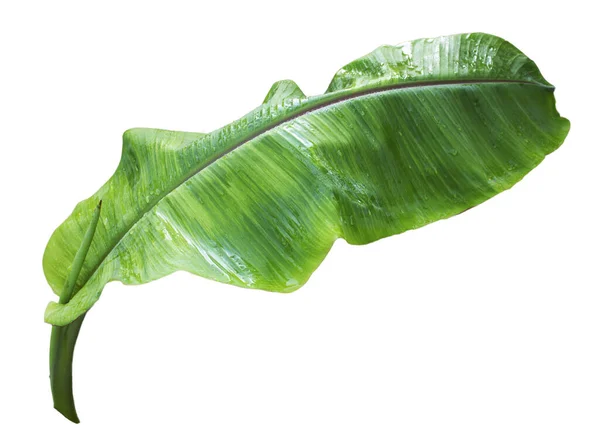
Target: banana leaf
(404, 136)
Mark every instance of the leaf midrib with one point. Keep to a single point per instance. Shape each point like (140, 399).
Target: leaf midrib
(268, 128)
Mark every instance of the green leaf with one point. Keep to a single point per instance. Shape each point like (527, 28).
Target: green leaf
(404, 136)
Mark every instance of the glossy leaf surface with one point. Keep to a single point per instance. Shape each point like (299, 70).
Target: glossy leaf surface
(404, 136)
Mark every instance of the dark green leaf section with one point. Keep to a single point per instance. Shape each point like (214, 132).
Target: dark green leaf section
(436, 152)
(403, 137)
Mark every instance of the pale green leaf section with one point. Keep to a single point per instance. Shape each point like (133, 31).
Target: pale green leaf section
(473, 56)
(404, 136)
(282, 90)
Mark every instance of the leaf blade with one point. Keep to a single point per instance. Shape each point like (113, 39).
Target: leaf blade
(294, 147)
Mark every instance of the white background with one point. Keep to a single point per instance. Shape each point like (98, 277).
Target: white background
(487, 322)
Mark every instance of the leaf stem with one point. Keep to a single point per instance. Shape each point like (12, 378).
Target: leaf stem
(62, 345)
(63, 338)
